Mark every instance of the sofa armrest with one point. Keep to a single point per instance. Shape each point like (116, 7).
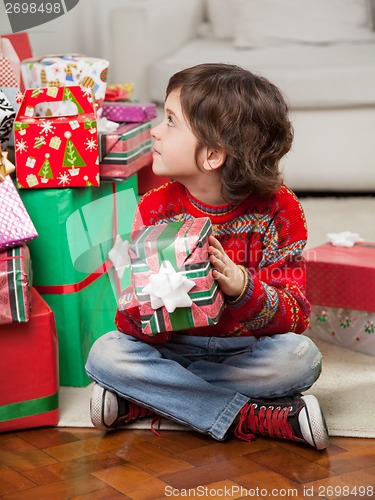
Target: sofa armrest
(143, 32)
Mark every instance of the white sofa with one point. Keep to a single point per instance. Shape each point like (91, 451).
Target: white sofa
(329, 82)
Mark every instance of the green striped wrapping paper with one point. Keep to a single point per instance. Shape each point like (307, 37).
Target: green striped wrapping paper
(15, 285)
(125, 151)
(185, 246)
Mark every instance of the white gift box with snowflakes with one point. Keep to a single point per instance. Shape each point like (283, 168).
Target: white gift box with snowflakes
(56, 151)
(66, 70)
(340, 287)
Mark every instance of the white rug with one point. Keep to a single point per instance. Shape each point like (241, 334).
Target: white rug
(346, 391)
(334, 215)
(346, 388)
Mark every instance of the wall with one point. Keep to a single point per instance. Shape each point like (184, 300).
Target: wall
(83, 30)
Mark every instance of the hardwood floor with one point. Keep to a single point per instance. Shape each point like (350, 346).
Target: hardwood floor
(76, 463)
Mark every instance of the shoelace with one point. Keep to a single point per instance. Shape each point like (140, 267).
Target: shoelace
(137, 412)
(270, 420)
(156, 420)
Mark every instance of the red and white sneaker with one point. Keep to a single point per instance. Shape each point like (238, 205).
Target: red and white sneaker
(109, 412)
(297, 418)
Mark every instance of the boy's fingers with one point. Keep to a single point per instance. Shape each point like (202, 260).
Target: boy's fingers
(219, 276)
(217, 263)
(214, 252)
(215, 243)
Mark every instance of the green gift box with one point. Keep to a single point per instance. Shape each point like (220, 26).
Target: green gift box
(71, 266)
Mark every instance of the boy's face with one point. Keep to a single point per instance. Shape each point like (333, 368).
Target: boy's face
(175, 144)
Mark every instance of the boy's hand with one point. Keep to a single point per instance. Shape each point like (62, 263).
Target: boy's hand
(229, 276)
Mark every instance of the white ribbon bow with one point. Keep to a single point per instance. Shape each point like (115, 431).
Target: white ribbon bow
(107, 126)
(119, 255)
(344, 239)
(169, 288)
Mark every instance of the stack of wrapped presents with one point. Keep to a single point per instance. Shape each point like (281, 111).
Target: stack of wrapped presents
(69, 270)
(28, 338)
(66, 213)
(71, 151)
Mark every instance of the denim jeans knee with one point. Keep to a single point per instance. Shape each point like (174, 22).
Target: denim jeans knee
(303, 359)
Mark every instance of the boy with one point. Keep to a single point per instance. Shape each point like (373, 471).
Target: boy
(223, 135)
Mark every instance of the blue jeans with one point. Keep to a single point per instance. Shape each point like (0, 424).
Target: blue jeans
(203, 382)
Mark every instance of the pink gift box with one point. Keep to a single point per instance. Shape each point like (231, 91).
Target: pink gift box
(16, 226)
(183, 248)
(129, 111)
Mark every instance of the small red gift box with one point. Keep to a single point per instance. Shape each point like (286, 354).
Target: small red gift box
(29, 370)
(56, 151)
(147, 180)
(341, 276)
(340, 287)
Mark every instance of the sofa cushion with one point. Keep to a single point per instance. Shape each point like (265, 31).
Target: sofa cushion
(271, 22)
(309, 75)
(221, 18)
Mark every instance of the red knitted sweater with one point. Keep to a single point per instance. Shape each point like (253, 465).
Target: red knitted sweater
(266, 236)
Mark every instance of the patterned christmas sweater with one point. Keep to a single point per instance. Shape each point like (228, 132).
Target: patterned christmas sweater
(267, 236)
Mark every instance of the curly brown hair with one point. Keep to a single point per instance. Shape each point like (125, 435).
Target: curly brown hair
(230, 108)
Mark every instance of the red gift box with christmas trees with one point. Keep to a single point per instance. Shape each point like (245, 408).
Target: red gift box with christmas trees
(56, 151)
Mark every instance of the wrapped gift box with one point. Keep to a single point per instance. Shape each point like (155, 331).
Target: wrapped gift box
(7, 116)
(71, 266)
(172, 277)
(6, 167)
(9, 80)
(15, 285)
(66, 70)
(56, 151)
(125, 152)
(16, 226)
(119, 92)
(340, 287)
(29, 379)
(129, 111)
